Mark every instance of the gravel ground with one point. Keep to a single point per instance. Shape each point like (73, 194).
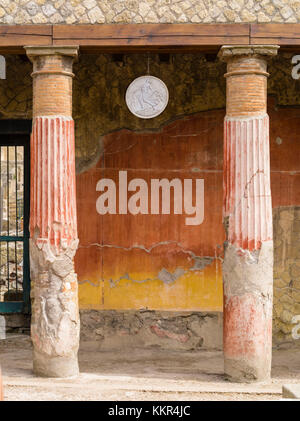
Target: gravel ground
(13, 393)
(140, 375)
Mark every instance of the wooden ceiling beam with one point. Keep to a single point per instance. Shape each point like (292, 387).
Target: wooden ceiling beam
(127, 38)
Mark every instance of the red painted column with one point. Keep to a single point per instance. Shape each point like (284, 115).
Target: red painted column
(53, 225)
(247, 212)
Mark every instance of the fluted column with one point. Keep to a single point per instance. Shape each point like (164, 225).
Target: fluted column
(247, 215)
(53, 226)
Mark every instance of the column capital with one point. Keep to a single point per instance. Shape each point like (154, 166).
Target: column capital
(52, 79)
(246, 93)
(61, 50)
(229, 52)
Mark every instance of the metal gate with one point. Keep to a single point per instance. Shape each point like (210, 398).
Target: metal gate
(14, 217)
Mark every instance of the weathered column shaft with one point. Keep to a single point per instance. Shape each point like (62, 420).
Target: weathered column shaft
(247, 212)
(53, 225)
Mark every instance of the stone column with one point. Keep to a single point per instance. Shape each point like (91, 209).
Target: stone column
(247, 213)
(53, 226)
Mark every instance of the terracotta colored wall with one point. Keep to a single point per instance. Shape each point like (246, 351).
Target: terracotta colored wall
(285, 163)
(127, 261)
(121, 257)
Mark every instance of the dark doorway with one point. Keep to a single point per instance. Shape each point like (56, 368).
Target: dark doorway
(14, 216)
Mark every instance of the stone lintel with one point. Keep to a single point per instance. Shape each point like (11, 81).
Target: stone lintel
(228, 52)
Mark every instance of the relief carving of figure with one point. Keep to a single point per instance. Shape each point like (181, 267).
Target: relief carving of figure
(147, 97)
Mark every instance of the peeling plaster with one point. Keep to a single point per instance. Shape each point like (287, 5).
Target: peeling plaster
(163, 275)
(200, 262)
(55, 324)
(87, 281)
(85, 163)
(249, 272)
(113, 283)
(168, 277)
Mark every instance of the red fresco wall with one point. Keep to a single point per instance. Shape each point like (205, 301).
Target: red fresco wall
(156, 261)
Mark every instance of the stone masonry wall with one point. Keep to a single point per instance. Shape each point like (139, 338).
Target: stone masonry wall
(147, 11)
(286, 271)
(165, 330)
(16, 89)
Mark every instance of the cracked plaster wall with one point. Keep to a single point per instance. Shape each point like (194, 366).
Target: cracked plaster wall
(196, 86)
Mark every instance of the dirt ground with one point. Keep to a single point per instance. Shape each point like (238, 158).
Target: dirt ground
(139, 375)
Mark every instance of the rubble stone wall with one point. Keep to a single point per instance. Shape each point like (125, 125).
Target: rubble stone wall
(147, 11)
(165, 330)
(286, 271)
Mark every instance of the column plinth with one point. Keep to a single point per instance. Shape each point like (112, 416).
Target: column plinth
(53, 224)
(247, 215)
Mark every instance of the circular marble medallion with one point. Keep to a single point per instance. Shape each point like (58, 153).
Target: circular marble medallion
(147, 96)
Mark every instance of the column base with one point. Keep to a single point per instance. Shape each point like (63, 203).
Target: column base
(247, 328)
(45, 366)
(243, 371)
